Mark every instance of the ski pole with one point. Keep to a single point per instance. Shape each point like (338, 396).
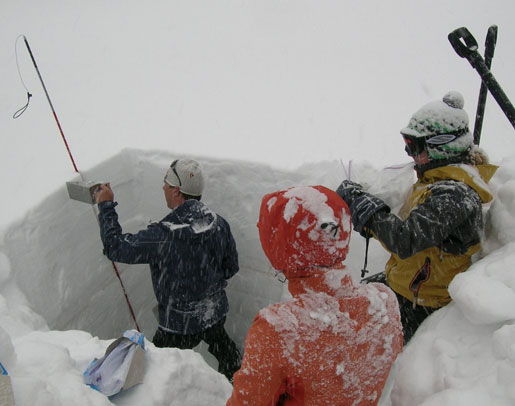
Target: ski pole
(468, 50)
(50, 103)
(491, 40)
(115, 268)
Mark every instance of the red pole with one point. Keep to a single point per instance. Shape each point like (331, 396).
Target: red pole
(77, 170)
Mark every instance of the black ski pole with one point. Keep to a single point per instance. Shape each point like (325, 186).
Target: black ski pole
(491, 40)
(468, 50)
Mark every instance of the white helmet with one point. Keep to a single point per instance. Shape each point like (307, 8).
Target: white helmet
(187, 175)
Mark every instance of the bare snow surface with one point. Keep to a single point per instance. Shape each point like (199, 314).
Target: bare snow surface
(61, 305)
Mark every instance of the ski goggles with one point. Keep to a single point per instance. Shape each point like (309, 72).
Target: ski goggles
(414, 145)
(417, 145)
(173, 171)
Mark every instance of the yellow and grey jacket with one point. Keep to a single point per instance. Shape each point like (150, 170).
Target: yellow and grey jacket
(438, 231)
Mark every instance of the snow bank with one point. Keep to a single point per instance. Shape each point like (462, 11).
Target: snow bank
(61, 305)
(50, 364)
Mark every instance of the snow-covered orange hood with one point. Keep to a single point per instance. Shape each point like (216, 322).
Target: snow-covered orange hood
(304, 229)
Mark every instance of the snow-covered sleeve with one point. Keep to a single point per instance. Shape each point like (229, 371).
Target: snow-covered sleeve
(260, 378)
(139, 248)
(448, 206)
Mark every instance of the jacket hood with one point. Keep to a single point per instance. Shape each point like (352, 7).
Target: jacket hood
(192, 219)
(304, 229)
(476, 177)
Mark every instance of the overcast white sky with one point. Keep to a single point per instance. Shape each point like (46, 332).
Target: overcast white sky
(280, 82)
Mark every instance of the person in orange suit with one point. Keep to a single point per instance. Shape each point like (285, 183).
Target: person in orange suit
(334, 341)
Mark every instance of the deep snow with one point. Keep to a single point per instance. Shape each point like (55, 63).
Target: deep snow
(254, 89)
(51, 265)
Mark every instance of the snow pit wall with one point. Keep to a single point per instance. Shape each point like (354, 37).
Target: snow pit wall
(56, 253)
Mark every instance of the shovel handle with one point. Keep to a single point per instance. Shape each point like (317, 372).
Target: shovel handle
(463, 42)
(465, 46)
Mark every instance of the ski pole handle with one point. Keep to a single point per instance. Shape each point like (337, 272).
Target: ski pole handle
(468, 50)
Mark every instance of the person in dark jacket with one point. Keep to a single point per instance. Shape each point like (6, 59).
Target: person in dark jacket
(439, 227)
(191, 253)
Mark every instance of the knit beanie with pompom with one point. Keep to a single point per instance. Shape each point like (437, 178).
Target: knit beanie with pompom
(443, 126)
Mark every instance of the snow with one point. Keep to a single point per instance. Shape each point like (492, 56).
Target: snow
(53, 314)
(312, 199)
(267, 95)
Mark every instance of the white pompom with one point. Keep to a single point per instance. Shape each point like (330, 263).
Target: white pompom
(454, 99)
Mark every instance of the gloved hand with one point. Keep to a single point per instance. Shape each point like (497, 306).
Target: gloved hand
(349, 190)
(362, 205)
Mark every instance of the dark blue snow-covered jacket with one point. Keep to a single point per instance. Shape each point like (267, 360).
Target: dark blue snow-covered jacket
(191, 253)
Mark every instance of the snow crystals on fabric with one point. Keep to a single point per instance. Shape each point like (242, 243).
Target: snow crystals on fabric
(203, 225)
(333, 278)
(290, 209)
(377, 308)
(271, 203)
(304, 227)
(198, 225)
(354, 325)
(173, 226)
(312, 199)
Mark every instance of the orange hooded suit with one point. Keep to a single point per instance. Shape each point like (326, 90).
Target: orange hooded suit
(334, 342)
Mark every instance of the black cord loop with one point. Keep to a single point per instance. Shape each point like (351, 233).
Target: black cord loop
(19, 112)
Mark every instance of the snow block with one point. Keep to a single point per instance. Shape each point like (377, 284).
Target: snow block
(6, 390)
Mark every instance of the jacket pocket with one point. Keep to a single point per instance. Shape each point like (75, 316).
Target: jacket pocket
(421, 276)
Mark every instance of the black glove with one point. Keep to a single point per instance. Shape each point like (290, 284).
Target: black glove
(349, 190)
(362, 205)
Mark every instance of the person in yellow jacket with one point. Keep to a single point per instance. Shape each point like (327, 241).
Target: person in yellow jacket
(334, 341)
(439, 227)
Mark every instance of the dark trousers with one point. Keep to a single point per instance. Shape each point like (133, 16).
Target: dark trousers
(220, 345)
(411, 318)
